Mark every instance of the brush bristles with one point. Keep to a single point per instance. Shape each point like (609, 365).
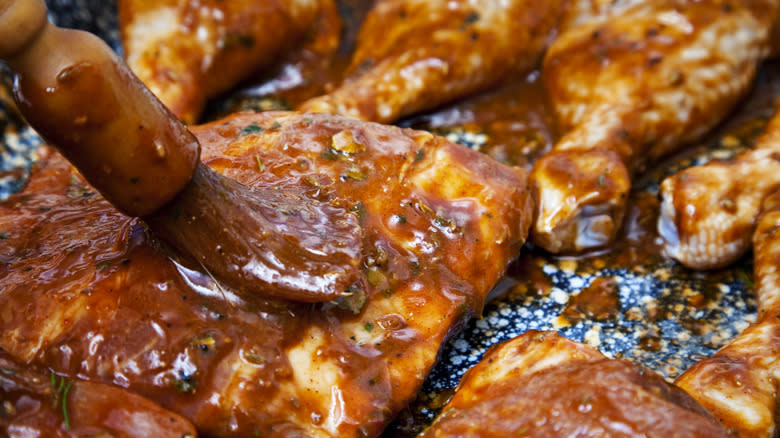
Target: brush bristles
(272, 242)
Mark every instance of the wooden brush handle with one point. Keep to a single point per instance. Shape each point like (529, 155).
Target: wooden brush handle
(82, 98)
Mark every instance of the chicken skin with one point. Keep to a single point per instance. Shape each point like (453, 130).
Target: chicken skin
(414, 55)
(540, 384)
(629, 81)
(36, 403)
(189, 51)
(629, 89)
(739, 384)
(709, 212)
(89, 292)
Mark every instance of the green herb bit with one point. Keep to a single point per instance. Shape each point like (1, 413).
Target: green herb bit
(360, 210)
(368, 326)
(205, 343)
(275, 125)
(254, 128)
(184, 384)
(253, 357)
(471, 18)
(134, 180)
(61, 388)
(419, 155)
(746, 278)
(462, 308)
(602, 180)
(353, 300)
(329, 154)
(103, 265)
(260, 166)
(3, 235)
(356, 173)
(400, 219)
(65, 404)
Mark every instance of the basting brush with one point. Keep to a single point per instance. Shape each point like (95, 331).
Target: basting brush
(83, 100)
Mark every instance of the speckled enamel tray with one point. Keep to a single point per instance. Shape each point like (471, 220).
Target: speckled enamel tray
(663, 315)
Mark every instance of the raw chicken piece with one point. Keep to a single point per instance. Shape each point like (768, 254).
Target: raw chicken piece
(542, 385)
(629, 89)
(414, 55)
(187, 51)
(739, 384)
(39, 403)
(88, 292)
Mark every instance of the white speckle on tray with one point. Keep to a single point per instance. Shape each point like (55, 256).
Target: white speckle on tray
(559, 296)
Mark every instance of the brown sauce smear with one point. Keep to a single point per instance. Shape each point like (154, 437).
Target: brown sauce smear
(598, 302)
(518, 126)
(596, 398)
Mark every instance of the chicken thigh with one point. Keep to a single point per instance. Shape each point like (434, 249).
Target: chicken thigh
(542, 385)
(739, 384)
(187, 51)
(629, 89)
(709, 212)
(414, 55)
(629, 80)
(39, 403)
(89, 292)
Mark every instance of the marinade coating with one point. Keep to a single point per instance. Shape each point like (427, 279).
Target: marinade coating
(709, 212)
(88, 291)
(414, 55)
(629, 89)
(630, 81)
(189, 51)
(739, 383)
(36, 402)
(540, 384)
